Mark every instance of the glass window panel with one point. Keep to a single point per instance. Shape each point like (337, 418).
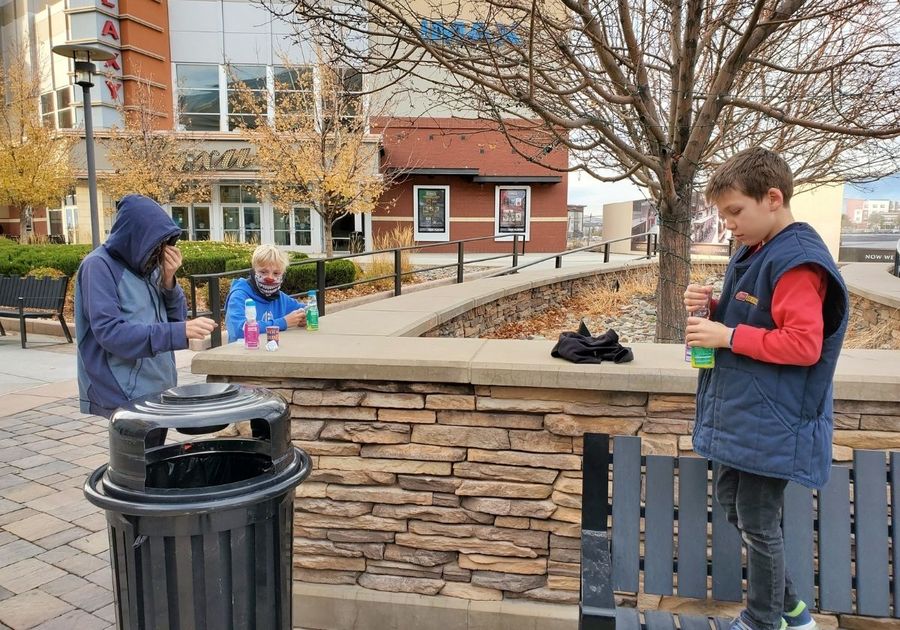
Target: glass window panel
(253, 76)
(245, 122)
(252, 237)
(293, 78)
(199, 122)
(198, 76)
(237, 103)
(232, 218)
(251, 218)
(198, 101)
(248, 195)
(201, 218)
(47, 102)
(302, 218)
(66, 118)
(63, 97)
(201, 235)
(180, 216)
(230, 194)
(282, 237)
(282, 220)
(302, 237)
(353, 81)
(49, 120)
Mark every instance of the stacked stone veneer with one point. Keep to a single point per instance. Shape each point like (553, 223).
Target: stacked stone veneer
(473, 491)
(490, 317)
(877, 314)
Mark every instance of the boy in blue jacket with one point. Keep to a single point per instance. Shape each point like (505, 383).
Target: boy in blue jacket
(129, 311)
(273, 307)
(764, 412)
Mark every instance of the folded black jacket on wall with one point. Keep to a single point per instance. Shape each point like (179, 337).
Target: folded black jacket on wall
(582, 347)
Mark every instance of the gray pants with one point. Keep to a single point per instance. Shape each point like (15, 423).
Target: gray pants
(754, 504)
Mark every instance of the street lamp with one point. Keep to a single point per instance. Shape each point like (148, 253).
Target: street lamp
(85, 55)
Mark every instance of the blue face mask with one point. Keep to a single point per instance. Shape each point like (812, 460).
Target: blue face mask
(268, 289)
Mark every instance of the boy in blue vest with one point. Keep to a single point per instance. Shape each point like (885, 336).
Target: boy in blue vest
(764, 412)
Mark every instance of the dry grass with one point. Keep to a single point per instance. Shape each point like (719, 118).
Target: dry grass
(862, 334)
(383, 264)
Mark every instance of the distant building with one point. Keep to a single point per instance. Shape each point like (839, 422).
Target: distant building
(576, 221)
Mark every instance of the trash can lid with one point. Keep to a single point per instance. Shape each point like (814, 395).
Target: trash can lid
(200, 392)
(138, 429)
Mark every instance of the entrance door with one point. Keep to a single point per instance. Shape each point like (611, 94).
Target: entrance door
(341, 232)
(299, 229)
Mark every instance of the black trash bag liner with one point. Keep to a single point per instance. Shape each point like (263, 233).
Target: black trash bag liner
(206, 469)
(582, 347)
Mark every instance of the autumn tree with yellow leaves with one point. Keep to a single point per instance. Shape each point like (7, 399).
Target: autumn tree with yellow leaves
(312, 142)
(35, 161)
(149, 159)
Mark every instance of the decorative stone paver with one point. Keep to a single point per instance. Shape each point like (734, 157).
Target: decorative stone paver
(54, 560)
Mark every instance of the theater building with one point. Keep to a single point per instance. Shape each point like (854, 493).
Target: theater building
(452, 178)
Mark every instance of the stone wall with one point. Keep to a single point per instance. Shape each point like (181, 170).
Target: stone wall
(474, 491)
(490, 317)
(878, 314)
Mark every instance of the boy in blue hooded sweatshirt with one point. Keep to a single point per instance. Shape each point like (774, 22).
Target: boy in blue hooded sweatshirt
(273, 306)
(129, 311)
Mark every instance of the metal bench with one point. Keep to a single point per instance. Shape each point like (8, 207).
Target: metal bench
(838, 540)
(32, 298)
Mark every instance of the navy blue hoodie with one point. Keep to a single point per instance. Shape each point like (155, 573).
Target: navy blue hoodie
(127, 326)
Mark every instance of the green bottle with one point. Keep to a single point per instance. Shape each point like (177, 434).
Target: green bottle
(704, 358)
(312, 312)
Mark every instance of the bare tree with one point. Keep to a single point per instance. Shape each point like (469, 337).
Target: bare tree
(655, 91)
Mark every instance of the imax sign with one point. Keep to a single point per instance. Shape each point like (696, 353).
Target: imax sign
(459, 31)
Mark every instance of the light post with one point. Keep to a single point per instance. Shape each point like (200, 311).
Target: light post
(85, 55)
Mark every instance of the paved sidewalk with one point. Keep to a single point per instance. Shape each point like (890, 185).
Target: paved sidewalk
(54, 565)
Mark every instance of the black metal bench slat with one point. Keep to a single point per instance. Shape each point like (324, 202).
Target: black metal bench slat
(722, 624)
(659, 523)
(690, 622)
(627, 619)
(798, 539)
(895, 522)
(659, 620)
(626, 513)
(692, 511)
(871, 534)
(727, 571)
(835, 576)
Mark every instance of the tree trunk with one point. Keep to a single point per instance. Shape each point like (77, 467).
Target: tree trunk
(674, 270)
(25, 216)
(329, 246)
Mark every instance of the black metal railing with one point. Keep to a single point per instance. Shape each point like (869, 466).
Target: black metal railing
(651, 252)
(211, 280)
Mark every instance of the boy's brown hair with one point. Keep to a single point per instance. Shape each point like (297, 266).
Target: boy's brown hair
(752, 172)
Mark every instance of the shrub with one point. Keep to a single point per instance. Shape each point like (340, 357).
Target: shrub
(302, 278)
(45, 272)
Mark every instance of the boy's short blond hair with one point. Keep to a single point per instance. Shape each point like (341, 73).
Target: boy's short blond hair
(752, 172)
(269, 255)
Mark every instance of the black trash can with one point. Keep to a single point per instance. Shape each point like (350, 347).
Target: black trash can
(200, 532)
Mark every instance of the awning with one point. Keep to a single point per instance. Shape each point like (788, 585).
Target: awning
(517, 179)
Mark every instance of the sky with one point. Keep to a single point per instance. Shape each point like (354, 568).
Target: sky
(585, 190)
(887, 188)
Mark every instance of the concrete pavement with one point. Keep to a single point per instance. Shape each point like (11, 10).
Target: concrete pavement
(54, 564)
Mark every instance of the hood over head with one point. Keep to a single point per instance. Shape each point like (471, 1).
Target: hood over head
(140, 226)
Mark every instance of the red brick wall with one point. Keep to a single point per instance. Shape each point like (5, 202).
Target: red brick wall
(453, 143)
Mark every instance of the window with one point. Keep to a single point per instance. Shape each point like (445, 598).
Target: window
(240, 112)
(193, 221)
(293, 87)
(241, 213)
(198, 96)
(512, 209)
(294, 227)
(352, 82)
(57, 108)
(431, 213)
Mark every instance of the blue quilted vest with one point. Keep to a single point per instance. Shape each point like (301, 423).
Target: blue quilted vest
(763, 418)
